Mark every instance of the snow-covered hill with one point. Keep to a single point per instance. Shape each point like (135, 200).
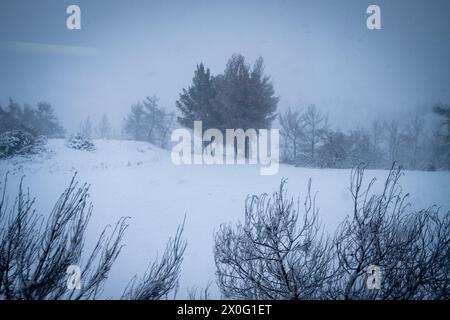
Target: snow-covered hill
(139, 180)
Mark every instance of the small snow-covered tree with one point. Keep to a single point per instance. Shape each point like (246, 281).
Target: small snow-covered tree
(315, 126)
(18, 142)
(80, 142)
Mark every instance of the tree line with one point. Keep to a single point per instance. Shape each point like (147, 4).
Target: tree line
(243, 96)
(309, 140)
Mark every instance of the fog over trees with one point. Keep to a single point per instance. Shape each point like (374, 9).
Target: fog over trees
(310, 140)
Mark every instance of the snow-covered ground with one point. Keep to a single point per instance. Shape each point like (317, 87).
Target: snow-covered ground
(139, 180)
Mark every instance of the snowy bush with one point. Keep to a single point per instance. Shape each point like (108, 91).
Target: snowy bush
(19, 142)
(79, 142)
(277, 253)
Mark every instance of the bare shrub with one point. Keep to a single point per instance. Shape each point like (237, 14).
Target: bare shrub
(162, 276)
(275, 253)
(411, 248)
(35, 252)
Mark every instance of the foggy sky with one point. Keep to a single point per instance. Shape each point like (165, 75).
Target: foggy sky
(315, 52)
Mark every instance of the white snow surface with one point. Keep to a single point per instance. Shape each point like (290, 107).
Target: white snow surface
(137, 179)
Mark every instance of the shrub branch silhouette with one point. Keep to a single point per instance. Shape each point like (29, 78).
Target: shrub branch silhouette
(278, 254)
(36, 252)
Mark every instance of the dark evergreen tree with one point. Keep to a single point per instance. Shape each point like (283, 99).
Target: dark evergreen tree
(39, 121)
(241, 97)
(198, 101)
(245, 96)
(46, 121)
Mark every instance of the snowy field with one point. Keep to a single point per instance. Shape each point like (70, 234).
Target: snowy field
(139, 180)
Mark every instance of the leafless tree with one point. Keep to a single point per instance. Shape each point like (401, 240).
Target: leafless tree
(393, 139)
(276, 253)
(35, 253)
(292, 125)
(412, 138)
(315, 126)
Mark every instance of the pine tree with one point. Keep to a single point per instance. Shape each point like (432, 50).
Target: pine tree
(245, 96)
(241, 97)
(46, 121)
(198, 101)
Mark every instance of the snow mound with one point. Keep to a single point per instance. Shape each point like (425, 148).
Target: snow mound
(108, 154)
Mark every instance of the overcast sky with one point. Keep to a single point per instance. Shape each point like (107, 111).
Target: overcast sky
(315, 52)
